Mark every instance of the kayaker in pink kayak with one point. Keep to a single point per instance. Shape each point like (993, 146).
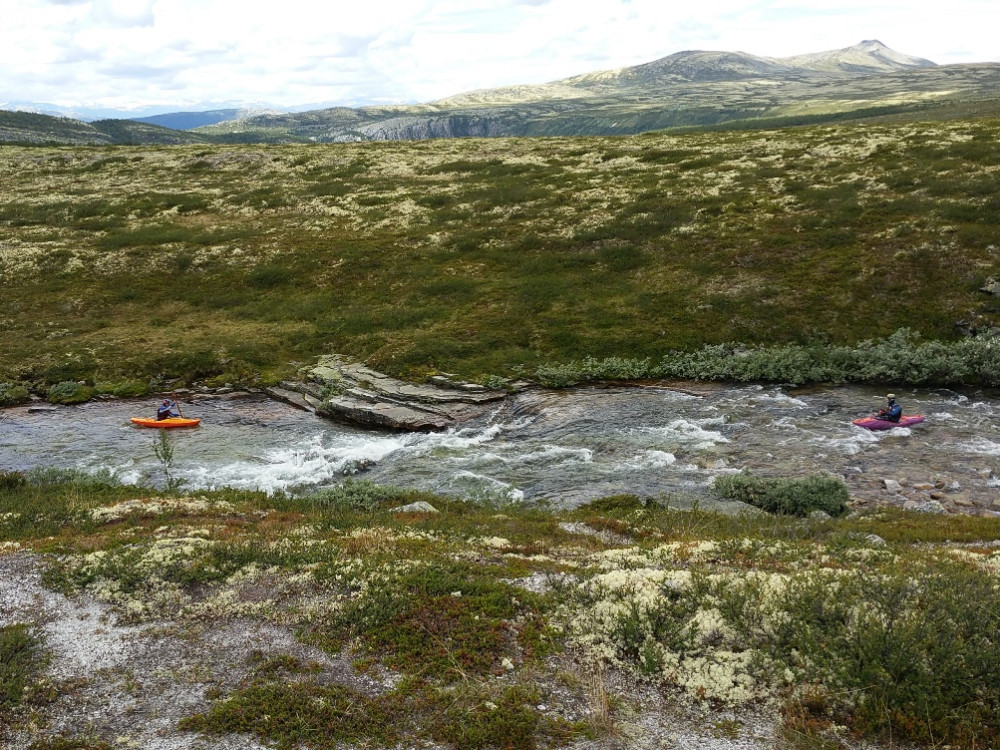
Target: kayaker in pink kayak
(166, 410)
(892, 411)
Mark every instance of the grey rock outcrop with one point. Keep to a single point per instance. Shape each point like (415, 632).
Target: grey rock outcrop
(350, 392)
(420, 506)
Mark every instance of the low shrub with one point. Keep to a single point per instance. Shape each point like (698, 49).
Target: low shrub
(70, 392)
(11, 394)
(10, 480)
(297, 715)
(358, 495)
(908, 653)
(123, 388)
(20, 653)
(790, 497)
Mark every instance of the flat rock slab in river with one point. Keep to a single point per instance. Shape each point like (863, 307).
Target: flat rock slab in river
(338, 388)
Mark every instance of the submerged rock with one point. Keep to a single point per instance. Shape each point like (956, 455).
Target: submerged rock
(348, 391)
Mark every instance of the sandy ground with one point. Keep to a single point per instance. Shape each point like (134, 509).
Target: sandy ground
(130, 685)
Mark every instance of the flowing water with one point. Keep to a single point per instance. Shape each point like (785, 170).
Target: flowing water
(563, 446)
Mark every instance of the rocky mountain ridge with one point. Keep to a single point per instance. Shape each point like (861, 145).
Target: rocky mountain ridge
(689, 89)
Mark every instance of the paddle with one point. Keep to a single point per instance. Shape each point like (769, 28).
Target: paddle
(177, 403)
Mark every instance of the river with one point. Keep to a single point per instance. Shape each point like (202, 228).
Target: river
(563, 446)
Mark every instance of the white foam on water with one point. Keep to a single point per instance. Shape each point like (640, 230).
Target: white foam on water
(651, 459)
(981, 447)
(778, 397)
(461, 438)
(548, 455)
(556, 453)
(689, 433)
(956, 399)
(851, 444)
(986, 408)
(464, 479)
(897, 432)
(314, 462)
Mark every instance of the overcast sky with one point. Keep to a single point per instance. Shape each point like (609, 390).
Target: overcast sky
(288, 53)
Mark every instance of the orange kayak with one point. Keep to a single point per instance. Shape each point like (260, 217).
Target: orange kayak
(171, 422)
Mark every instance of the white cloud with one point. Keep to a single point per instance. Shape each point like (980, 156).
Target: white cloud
(129, 52)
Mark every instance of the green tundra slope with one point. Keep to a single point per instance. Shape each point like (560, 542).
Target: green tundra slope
(486, 256)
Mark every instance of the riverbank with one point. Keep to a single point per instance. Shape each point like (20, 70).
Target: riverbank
(376, 617)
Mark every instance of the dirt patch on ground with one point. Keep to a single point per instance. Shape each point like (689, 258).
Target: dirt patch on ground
(130, 685)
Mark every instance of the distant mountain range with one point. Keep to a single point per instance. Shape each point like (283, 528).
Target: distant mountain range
(691, 89)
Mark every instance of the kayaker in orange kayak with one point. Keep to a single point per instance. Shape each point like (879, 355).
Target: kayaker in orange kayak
(166, 410)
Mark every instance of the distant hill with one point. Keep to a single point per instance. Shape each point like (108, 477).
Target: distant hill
(33, 128)
(191, 120)
(690, 89)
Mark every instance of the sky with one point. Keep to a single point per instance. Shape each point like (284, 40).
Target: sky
(175, 55)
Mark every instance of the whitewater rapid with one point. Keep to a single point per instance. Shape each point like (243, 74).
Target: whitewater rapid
(563, 446)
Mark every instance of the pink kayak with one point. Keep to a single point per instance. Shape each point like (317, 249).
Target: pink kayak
(874, 423)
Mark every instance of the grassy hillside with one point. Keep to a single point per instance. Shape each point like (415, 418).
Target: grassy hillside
(488, 256)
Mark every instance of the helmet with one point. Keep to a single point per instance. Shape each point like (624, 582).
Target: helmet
(890, 396)
(166, 402)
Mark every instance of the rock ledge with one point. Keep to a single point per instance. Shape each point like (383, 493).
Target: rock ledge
(350, 392)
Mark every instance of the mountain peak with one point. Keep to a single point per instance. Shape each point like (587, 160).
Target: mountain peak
(868, 56)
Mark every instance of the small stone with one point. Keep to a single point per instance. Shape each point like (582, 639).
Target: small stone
(937, 495)
(507, 664)
(911, 505)
(891, 485)
(819, 515)
(962, 500)
(875, 539)
(923, 486)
